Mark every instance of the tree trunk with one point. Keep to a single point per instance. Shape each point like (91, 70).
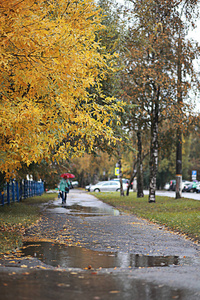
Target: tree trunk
(131, 180)
(179, 133)
(179, 165)
(140, 192)
(153, 163)
(120, 176)
(134, 174)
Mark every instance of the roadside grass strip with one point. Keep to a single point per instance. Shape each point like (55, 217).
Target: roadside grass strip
(15, 218)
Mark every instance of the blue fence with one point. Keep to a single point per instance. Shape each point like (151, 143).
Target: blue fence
(16, 191)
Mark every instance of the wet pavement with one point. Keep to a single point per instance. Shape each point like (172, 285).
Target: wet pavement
(82, 204)
(48, 284)
(89, 250)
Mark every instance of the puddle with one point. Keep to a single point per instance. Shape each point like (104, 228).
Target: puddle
(51, 285)
(83, 210)
(77, 257)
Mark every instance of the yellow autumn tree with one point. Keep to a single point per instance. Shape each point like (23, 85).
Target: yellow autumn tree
(49, 62)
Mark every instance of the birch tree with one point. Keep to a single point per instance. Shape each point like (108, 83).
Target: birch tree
(151, 65)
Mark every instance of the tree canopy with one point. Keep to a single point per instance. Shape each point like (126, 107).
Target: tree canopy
(49, 60)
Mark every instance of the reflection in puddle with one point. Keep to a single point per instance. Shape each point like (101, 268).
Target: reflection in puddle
(51, 285)
(77, 257)
(86, 211)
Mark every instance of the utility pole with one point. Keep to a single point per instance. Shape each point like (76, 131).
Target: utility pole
(179, 132)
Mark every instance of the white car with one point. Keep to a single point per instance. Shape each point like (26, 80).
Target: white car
(87, 187)
(124, 181)
(167, 186)
(75, 183)
(107, 186)
(185, 184)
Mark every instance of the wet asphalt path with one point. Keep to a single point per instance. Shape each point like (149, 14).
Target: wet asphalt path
(88, 250)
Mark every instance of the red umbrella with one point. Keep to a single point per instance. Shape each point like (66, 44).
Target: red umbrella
(67, 175)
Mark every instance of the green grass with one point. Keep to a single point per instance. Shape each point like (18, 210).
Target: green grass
(180, 215)
(18, 216)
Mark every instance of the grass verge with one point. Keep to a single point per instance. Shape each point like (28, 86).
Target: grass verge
(179, 215)
(14, 219)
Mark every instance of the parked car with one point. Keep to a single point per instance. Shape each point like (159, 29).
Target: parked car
(172, 185)
(124, 180)
(87, 187)
(107, 186)
(75, 183)
(192, 187)
(166, 187)
(185, 185)
(198, 188)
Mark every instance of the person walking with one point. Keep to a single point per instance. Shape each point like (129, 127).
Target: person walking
(64, 188)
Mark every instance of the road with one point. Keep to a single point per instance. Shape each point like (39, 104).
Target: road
(89, 250)
(195, 196)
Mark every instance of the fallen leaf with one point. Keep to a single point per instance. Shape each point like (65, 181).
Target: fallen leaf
(63, 284)
(24, 266)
